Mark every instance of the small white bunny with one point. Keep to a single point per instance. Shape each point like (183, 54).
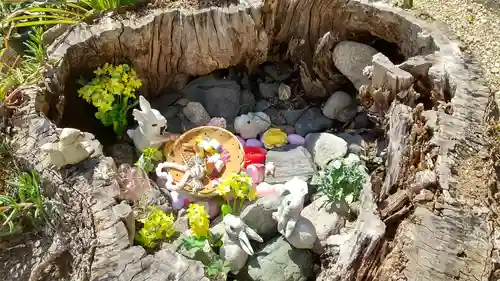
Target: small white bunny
(151, 125)
(70, 149)
(298, 230)
(235, 244)
(251, 124)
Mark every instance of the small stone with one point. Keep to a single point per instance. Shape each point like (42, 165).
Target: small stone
(290, 163)
(247, 102)
(312, 121)
(361, 121)
(423, 179)
(279, 261)
(278, 74)
(262, 105)
(340, 106)
(122, 153)
(350, 58)
(276, 117)
(258, 215)
(284, 92)
(288, 129)
(495, 70)
(292, 115)
(196, 113)
(424, 195)
(325, 220)
(268, 90)
(325, 147)
(355, 142)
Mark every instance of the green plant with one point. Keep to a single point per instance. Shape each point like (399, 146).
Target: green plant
(158, 225)
(198, 220)
(236, 188)
(30, 70)
(25, 201)
(342, 179)
(112, 92)
(217, 269)
(149, 158)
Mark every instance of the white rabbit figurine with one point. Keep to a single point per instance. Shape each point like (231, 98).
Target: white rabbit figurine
(251, 124)
(298, 230)
(151, 125)
(70, 149)
(235, 244)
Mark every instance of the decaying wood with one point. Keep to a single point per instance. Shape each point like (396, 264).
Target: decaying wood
(440, 248)
(394, 203)
(400, 124)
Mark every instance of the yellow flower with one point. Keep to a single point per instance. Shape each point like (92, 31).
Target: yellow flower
(198, 220)
(274, 137)
(223, 189)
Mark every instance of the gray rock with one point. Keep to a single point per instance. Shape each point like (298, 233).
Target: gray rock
(423, 179)
(325, 147)
(172, 111)
(361, 121)
(276, 118)
(340, 106)
(312, 121)
(181, 223)
(262, 105)
(268, 90)
(284, 92)
(196, 113)
(424, 195)
(325, 220)
(292, 115)
(258, 216)
(220, 97)
(355, 142)
(123, 153)
(124, 212)
(278, 261)
(247, 102)
(278, 73)
(350, 58)
(290, 163)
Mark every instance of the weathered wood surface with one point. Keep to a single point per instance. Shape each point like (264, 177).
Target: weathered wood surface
(452, 246)
(167, 47)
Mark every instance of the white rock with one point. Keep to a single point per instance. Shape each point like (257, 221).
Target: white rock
(196, 113)
(350, 58)
(339, 106)
(325, 147)
(284, 92)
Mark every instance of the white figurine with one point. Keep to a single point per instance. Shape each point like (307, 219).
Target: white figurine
(235, 244)
(251, 124)
(298, 231)
(69, 150)
(151, 125)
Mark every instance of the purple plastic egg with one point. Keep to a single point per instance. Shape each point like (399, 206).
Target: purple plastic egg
(242, 140)
(296, 139)
(254, 142)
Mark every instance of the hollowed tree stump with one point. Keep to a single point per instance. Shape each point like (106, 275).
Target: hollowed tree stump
(442, 242)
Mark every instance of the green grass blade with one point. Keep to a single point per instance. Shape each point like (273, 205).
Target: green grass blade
(10, 224)
(52, 10)
(46, 22)
(25, 17)
(73, 5)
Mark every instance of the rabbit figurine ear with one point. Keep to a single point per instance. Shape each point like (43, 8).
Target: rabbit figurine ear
(144, 104)
(139, 116)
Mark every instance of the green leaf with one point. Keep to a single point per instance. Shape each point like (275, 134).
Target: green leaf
(191, 242)
(226, 209)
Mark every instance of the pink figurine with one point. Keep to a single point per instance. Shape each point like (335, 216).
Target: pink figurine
(265, 189)
(218, 122)
(256, 172)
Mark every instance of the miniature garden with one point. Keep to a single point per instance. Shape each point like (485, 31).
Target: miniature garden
(279, 149)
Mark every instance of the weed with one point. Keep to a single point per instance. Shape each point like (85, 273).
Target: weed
(149, 158)
(24, 201)
(342, 179)
(158, 225)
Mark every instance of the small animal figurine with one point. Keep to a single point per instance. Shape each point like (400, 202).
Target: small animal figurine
(235, 244)
(218, 122)
(194, 173)
(151, 125)
(298, 231)
(251, 124)
(69, 150)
